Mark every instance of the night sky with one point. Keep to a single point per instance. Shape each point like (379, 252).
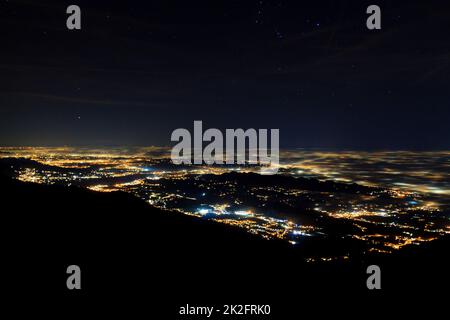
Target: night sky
(137, 70)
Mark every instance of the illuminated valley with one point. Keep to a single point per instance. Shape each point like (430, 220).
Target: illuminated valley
(377, 201)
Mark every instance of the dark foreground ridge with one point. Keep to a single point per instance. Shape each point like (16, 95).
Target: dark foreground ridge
(130, 252)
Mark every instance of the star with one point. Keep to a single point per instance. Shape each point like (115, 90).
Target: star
(278, 34)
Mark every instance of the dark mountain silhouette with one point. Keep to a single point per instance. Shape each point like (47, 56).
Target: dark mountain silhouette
(9, 165)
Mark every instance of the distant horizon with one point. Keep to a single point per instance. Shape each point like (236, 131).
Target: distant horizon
(282, 148)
